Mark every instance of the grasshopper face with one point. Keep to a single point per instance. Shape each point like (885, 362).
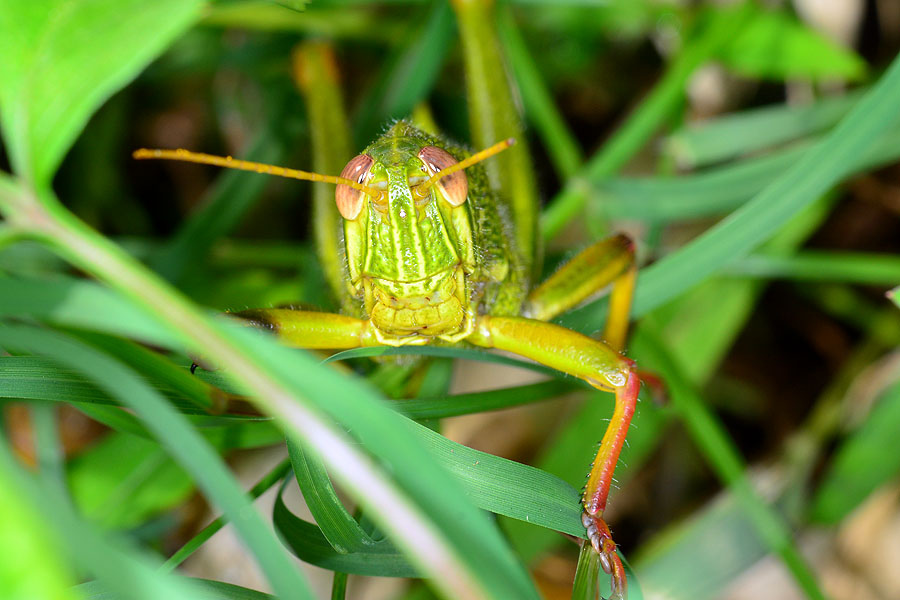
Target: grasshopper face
(409, 247)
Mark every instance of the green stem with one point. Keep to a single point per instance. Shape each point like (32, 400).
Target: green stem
(261, 487)
(339, 586)
(539, 105)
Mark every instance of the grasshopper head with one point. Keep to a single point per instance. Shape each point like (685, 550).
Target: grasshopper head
(409, 243)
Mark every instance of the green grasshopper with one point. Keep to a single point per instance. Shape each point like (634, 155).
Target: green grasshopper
(429, 255)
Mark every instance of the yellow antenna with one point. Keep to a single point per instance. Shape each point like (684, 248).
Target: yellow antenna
(475, 158)
(246, 165)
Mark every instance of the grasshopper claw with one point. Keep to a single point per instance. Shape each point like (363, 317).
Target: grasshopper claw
(600, 538)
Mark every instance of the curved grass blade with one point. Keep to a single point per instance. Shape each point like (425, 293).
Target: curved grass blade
(180, 439)
(334, 521)
(306, 541)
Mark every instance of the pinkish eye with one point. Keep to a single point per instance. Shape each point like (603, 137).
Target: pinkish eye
(350, 201)
(455, 186)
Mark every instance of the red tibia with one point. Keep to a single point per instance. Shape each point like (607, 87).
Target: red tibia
(597, 489)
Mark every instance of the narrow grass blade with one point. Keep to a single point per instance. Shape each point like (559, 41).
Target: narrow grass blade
(812, 265)
(718, 190)
(540, 108)
(261, 487)
(730, 136)
(306, 541)
(212, 590)
(465, 404)
(408, 75)
(443, 352)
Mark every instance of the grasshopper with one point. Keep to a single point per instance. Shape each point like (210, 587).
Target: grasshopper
(429, 254)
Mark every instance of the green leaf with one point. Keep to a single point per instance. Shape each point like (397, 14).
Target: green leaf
(124, 479)
(709, 141)
(62, 59)
(83, 305)
(862, 463)
(775, 45)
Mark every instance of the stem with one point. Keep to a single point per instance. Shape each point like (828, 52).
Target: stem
(261, 487)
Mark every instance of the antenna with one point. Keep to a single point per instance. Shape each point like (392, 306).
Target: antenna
(245, 165)
(475, 158)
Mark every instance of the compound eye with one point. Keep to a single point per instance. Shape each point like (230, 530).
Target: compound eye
(455, 186)
(350, 201)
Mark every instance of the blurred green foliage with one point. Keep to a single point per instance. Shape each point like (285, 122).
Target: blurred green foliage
(606, 97)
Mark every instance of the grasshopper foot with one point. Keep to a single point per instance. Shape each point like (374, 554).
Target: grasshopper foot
(601, 539)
